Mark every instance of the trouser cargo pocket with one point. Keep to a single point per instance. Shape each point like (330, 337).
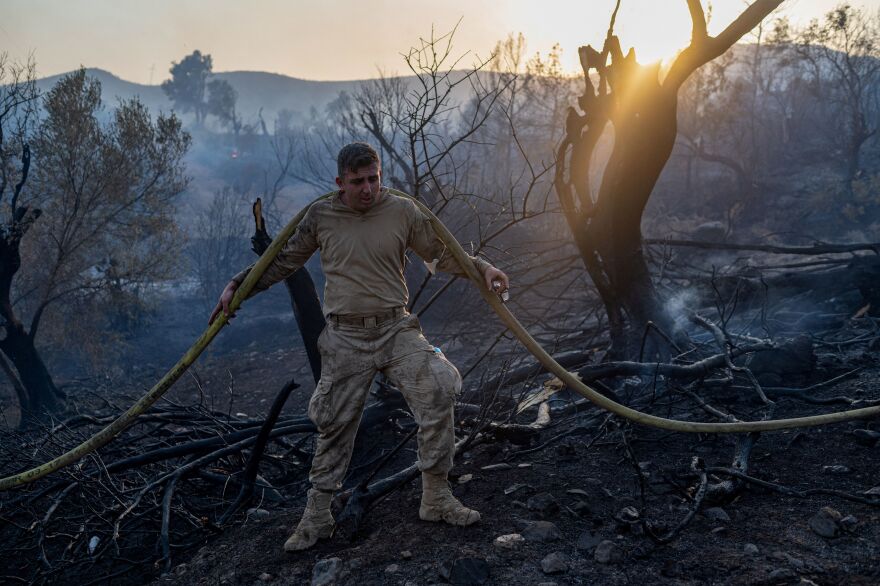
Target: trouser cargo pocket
(321, 410)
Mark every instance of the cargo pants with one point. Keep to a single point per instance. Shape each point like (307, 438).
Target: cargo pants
(350, 358)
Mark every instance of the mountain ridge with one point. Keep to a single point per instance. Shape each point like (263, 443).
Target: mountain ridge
(272, 92)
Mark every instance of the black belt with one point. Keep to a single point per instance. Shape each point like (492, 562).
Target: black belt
(367, 321)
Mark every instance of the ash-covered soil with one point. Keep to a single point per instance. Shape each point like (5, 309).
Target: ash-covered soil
(581, 486)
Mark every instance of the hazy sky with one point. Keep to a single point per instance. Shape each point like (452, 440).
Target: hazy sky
(332, 39)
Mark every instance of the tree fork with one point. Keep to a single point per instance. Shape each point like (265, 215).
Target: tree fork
(642, 109)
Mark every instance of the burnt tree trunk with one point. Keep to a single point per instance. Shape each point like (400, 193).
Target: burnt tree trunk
(308, 313)
(42, 397)
(642, 109)
(20, 392)
(303, 296)
(38, 395)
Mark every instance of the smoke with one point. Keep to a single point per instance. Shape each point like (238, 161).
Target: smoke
(679, 305)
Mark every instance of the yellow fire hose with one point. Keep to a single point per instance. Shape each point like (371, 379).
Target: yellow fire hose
(108, 433)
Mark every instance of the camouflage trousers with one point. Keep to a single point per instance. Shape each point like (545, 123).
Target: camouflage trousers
(350, 358)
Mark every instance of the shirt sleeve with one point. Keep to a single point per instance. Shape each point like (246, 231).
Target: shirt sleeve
(425, 242)
(293, 255)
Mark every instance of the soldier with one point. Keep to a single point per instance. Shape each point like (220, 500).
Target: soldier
(363, 232)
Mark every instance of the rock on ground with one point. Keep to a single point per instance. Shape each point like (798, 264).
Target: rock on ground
(717, 514)
(541, 531)
(542, 502)
(327, 572)
(607, 552)
(587, 541)
(554, 563)
(510, 541)
(825, 523)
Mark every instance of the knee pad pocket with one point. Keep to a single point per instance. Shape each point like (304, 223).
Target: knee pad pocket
(446, 375)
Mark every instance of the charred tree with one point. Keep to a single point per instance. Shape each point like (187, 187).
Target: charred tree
(641, 108)
(303, 295)
(31, 380)
(38, 391)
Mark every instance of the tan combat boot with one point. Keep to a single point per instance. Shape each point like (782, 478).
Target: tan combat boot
(316, 523)
(438, 504)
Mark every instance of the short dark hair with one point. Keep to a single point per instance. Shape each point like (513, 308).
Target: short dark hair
(354, 156)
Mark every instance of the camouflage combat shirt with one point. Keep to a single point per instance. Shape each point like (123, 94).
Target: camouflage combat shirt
(362, 254)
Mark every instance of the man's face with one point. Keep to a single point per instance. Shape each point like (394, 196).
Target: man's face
(360, 189)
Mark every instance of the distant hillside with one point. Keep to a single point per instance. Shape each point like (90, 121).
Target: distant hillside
(256, 89)
(114, 89)
(274, 92)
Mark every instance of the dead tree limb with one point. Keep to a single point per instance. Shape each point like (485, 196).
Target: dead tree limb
(362, 497)
(699, 468)
(787, 490)
(253, 466)
(699, 369)
(303, 296)
(815, 249)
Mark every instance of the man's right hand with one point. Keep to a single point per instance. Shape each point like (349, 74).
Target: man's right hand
(223, 304)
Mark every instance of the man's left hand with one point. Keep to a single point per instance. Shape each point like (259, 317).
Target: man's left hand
(496, 280)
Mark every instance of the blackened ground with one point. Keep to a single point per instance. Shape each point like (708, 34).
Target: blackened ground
(398, 548)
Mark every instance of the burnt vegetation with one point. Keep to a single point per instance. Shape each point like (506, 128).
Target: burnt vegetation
(698, 240)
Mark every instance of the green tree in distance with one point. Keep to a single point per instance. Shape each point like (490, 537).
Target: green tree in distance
(188, 85)
(222, 98)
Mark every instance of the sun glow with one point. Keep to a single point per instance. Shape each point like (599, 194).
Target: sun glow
(657, 31)
(138, 41)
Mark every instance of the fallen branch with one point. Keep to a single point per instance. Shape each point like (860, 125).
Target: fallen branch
(699, 369)
(786, 490)
(816, 249)
(253, 466)
(698, 467)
